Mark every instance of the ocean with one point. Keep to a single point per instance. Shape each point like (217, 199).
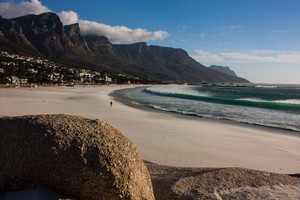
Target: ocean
(264, 105)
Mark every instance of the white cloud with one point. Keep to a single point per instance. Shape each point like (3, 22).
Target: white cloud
(259, 56)
(205, 56)
(120, 33)
(246, 57)
(264, 57)
(114, 33)
(68, 17)
(11, 9)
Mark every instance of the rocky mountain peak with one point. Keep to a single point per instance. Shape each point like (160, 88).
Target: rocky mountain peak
(72, 30)
(45, 32)
(43, 23)
(73, 33)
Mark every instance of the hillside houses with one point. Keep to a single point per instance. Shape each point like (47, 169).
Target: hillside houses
(15, 69)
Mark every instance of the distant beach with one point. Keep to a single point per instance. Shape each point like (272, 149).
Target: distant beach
(164, 138)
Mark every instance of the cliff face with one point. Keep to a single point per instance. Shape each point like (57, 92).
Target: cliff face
(12, 37)
(45, 32)
(77, 42)
(45, 35)
(99, 45)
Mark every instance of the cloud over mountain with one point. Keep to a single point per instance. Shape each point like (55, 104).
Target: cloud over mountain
(119, 33)
(114, 33)
(68, 17)
(10, 9)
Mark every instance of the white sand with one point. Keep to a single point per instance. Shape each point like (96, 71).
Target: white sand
(164, 138)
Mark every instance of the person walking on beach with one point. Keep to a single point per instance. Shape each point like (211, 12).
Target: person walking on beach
(110, 104)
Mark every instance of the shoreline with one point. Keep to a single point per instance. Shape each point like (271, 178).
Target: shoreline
(275, 130)
(165, 138)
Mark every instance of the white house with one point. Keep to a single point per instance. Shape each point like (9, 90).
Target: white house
(18, 81)
(108, 79)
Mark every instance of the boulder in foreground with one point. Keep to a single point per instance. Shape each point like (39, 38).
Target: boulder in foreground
(77, 157)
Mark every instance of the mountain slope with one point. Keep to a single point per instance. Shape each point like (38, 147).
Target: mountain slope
(45, 35)
(225, 70)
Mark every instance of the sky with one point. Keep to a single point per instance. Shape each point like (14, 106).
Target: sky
(258, 39)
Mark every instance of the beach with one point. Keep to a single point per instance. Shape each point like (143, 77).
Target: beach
(161, 137)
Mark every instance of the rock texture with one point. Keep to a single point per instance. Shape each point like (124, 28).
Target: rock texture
(45, 32)
(178, 183)
(77, 157)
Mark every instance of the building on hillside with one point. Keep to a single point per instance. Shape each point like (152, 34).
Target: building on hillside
(18, 81)
(56, 77)
(108, 80)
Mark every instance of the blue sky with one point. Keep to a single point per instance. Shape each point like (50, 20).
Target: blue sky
(258, 39)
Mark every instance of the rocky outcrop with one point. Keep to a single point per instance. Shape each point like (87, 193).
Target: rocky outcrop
(181, 183)
(99, 45)
(45, 32)
(77, 157)
(77, 42)
(12, 37)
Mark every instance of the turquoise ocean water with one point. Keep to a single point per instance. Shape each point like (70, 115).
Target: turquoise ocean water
(272, 106)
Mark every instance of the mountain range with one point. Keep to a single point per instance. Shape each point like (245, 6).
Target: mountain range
(223, 69)
(44, 35)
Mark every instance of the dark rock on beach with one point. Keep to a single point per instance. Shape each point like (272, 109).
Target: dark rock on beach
(74, 156)
(182, 183)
